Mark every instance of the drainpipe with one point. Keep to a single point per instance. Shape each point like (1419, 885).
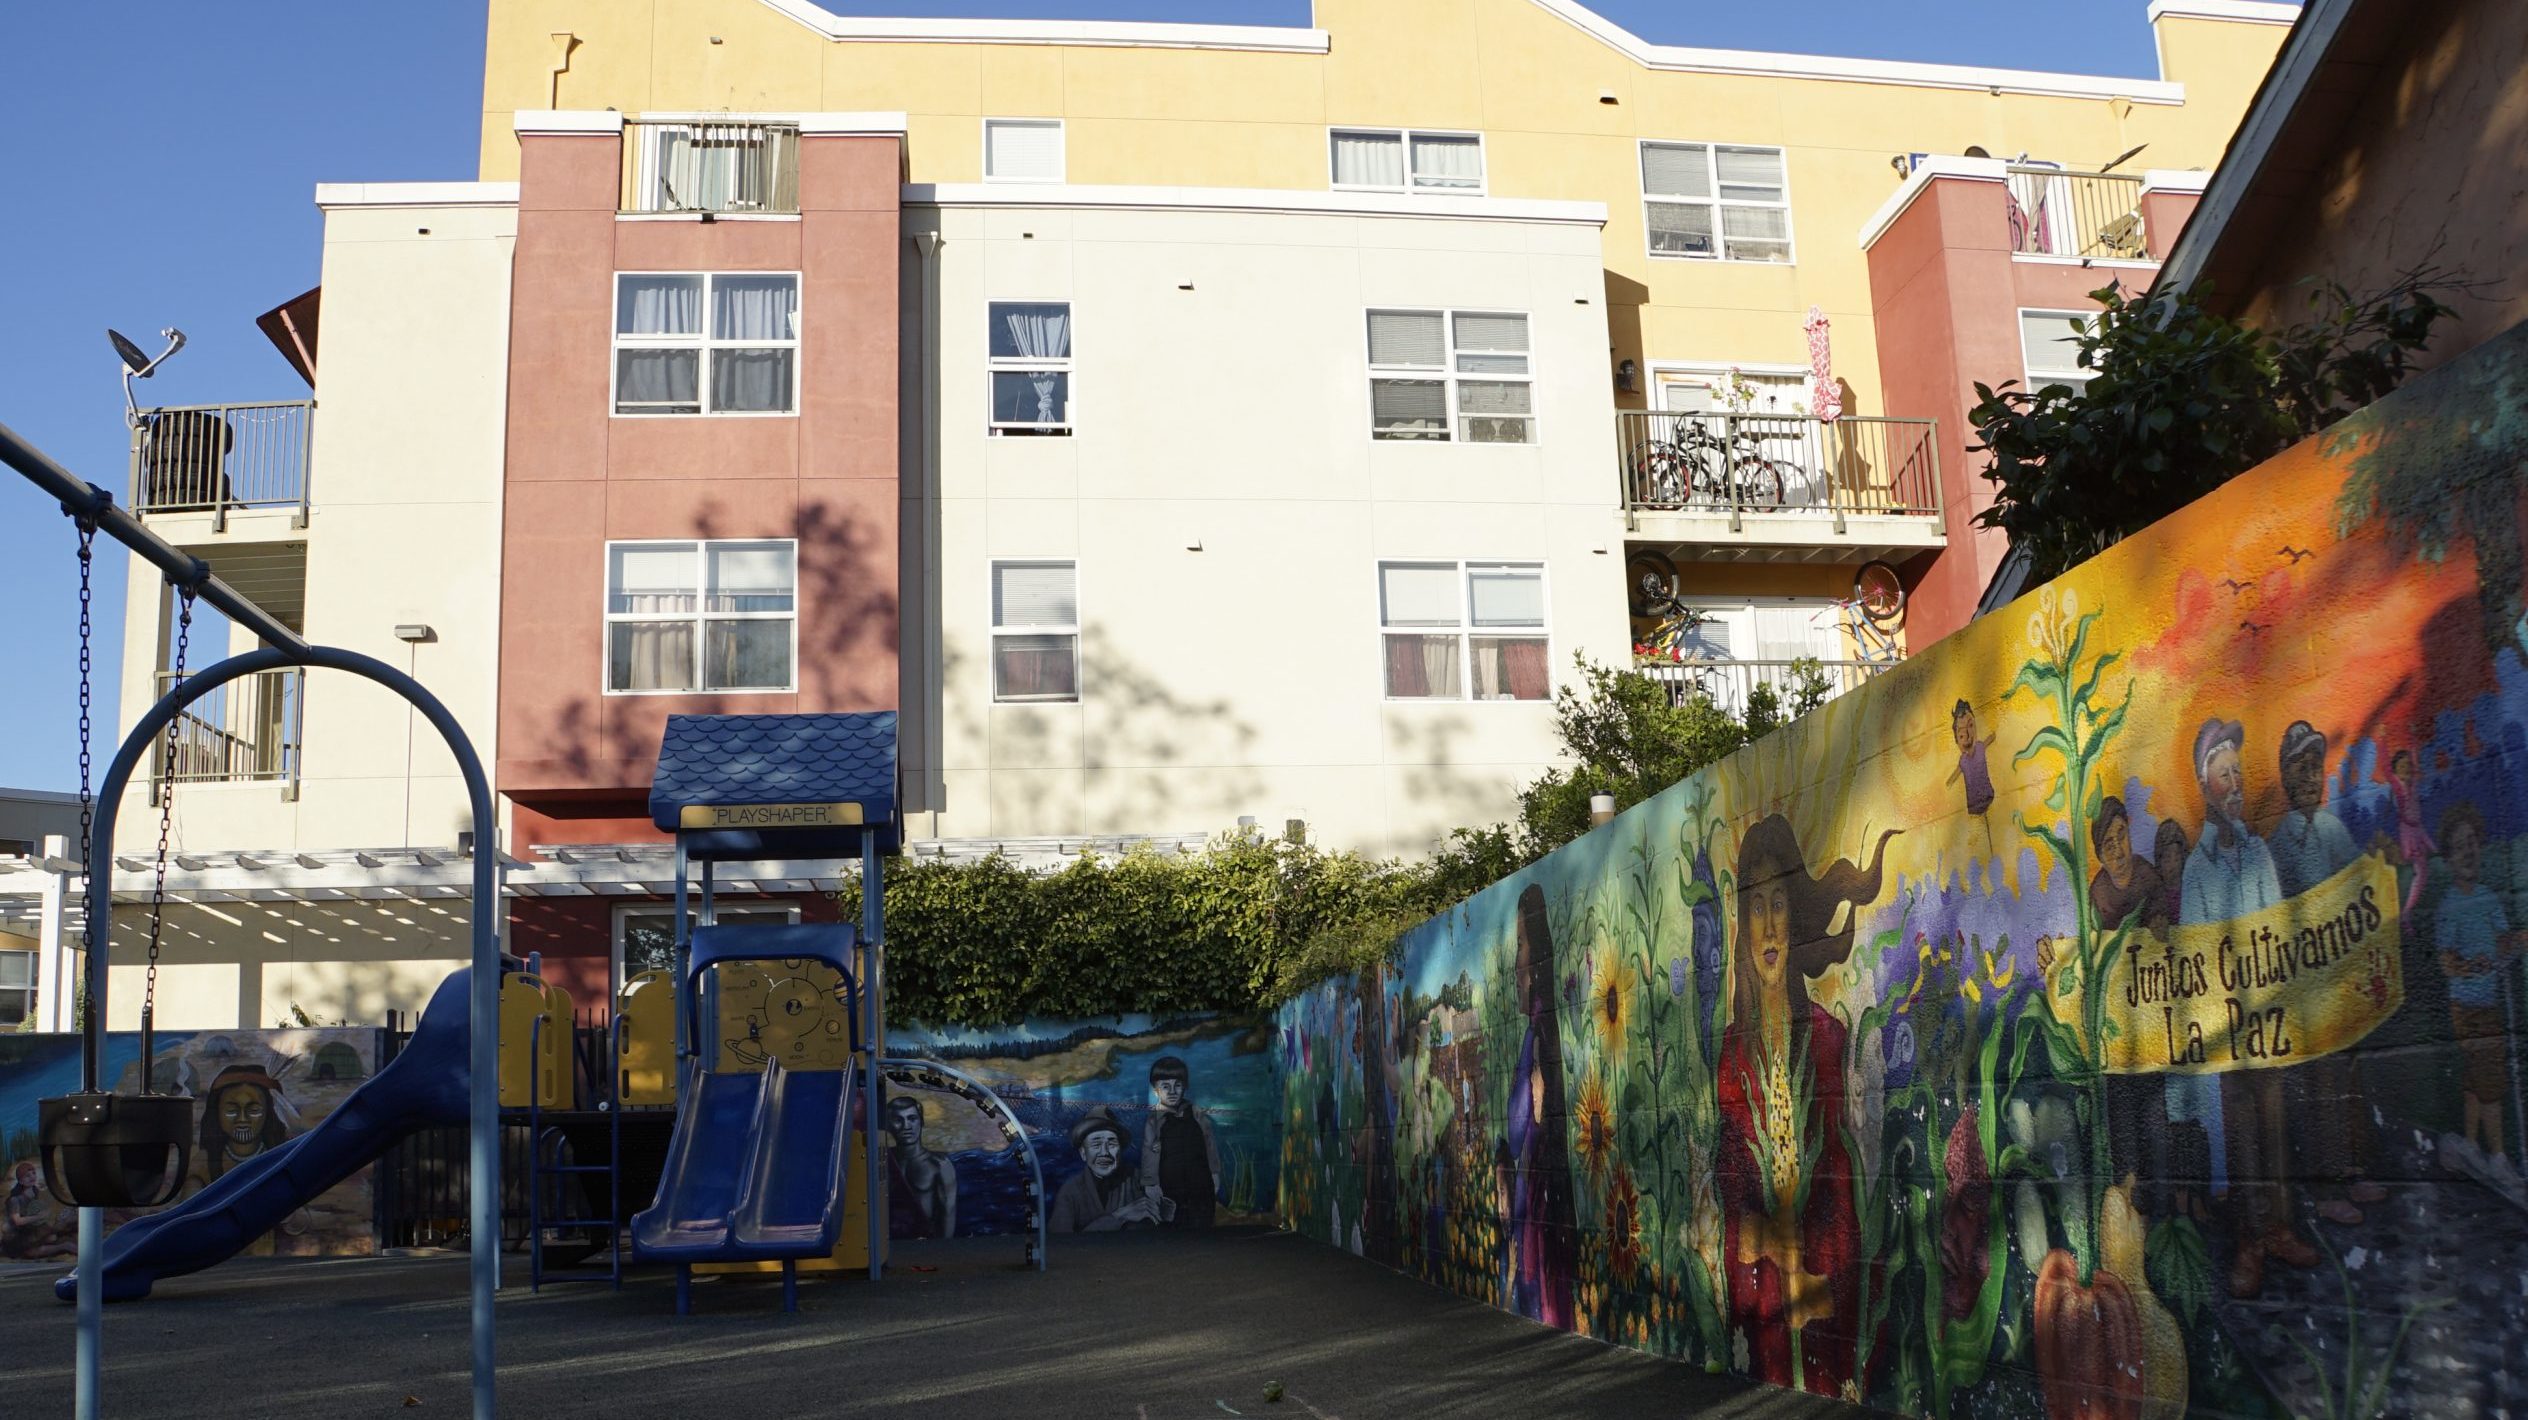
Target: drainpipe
(931, 631)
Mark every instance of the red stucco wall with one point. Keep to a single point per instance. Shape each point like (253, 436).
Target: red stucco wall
(577, 477)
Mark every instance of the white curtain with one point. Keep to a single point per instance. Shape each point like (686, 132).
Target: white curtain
(1369, 159)
(1454, 163)
(658, 305)
(1041, 333)
(652, 655)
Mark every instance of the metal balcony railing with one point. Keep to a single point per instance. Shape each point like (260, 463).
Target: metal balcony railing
(1727, 683)
(244, 731)
(1743, 464)
(211, 458)
(2058, 212)
(701, 166)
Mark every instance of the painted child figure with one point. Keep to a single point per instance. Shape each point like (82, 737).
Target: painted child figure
(1972, 766)
(1180, 1157)
(2473, 932)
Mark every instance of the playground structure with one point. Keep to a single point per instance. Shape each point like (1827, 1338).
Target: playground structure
(772, 1091)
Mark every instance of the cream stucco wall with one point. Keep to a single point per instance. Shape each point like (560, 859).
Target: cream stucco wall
(404, 528)
(1222, 400)
(1248, 108)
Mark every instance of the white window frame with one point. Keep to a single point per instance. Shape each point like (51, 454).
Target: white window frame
(1720, 236)
(1449, 376)
(26, 993)
(1412, 182)
(1018, 365)
(699, 615)
(1062, 148)
(992, 667)
(706, 343)
(624, 912)
(1465, 631)
(2038, 378)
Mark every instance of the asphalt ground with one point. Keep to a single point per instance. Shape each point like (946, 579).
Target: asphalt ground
(1137, 1327)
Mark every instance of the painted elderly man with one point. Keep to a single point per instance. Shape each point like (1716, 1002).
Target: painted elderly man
(2330, 1124)
(1104, 1197)
(2230, 874)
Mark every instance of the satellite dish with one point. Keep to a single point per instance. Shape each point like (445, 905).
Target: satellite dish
(135, 359)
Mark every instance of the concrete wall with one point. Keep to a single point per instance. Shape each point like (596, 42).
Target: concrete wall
(1870, 1060)
(1227, 510)
(579, 476)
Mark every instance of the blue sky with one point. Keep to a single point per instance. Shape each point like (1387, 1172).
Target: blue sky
(191, 136)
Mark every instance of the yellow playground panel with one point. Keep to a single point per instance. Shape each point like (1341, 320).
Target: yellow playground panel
(647, 1058)
(536, 1061)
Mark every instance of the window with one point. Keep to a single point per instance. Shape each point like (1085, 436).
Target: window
(1022, 150)
(1464, 630)
(704, 343)
(701, 616)
(1450, 374)
(1030, 360)
(2049, 343)
(1716, 201)
(1406, 160)
(714, 167)
(645, 937)
(17, 987)
(1035, 631)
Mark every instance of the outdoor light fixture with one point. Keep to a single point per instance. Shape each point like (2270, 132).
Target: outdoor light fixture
(412, 631)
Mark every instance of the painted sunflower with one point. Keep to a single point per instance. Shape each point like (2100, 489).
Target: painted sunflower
(1594, 1122)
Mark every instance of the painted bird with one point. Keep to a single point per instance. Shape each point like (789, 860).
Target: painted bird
(2251, 628)
(2296, 554)
(2236, 586)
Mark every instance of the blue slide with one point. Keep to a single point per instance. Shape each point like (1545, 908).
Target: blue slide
(423, 1087)
(755, 1170)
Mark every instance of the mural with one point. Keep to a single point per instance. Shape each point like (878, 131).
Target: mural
(2113, 1012)
(1137, 1123)
(254, 1090)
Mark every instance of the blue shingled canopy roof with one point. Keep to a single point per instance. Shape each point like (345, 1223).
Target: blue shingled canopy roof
(779, 759)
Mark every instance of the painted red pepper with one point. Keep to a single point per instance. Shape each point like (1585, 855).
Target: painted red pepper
(2089, 1349)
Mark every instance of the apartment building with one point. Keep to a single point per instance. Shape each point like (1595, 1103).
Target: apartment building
(1176, 424)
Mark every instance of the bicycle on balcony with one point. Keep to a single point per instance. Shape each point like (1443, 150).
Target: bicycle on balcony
(1696, 468)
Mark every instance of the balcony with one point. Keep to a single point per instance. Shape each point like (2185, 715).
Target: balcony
(713, 169)
(222, 458)
(246, 731)
(1774, 487)
(1727, 683)
(2083, 216)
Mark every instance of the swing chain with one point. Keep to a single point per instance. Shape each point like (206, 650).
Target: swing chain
(87, 706)
(166, 823)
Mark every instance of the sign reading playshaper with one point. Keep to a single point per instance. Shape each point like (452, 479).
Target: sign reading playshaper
(2305, 977)
(706, 816)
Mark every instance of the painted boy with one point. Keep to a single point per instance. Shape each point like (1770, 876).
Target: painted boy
(1972, 766)
(2473, 932)
(1180, 1159)
(921, 1181)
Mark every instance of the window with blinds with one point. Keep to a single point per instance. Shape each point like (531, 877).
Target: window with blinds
(1440, 375)
(1035, 631)
(1406, 160)
(2049, 348)
(1716, 201)
(701, 616)
(1464, 631)
(1022, 150)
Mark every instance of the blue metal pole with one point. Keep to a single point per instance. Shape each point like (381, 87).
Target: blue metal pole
(484, 1054)
(873, 964)
(676, 965)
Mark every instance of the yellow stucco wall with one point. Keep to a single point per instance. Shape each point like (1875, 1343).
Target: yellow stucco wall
(1530, 79)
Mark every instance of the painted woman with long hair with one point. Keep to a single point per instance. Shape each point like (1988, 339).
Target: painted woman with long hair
(241, 1117)
(1542, 1235)
(1793, 1240)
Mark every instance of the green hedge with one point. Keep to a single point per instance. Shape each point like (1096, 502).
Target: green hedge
(1240, 926)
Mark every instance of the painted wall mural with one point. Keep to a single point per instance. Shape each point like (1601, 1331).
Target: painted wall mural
(253, 1089)
(2113, 1012)
(1138, 1124)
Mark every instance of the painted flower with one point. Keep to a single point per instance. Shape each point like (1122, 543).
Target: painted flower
(1595, 1123)
(1610, 1002)
(1622, 1222)
(1677, 967)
